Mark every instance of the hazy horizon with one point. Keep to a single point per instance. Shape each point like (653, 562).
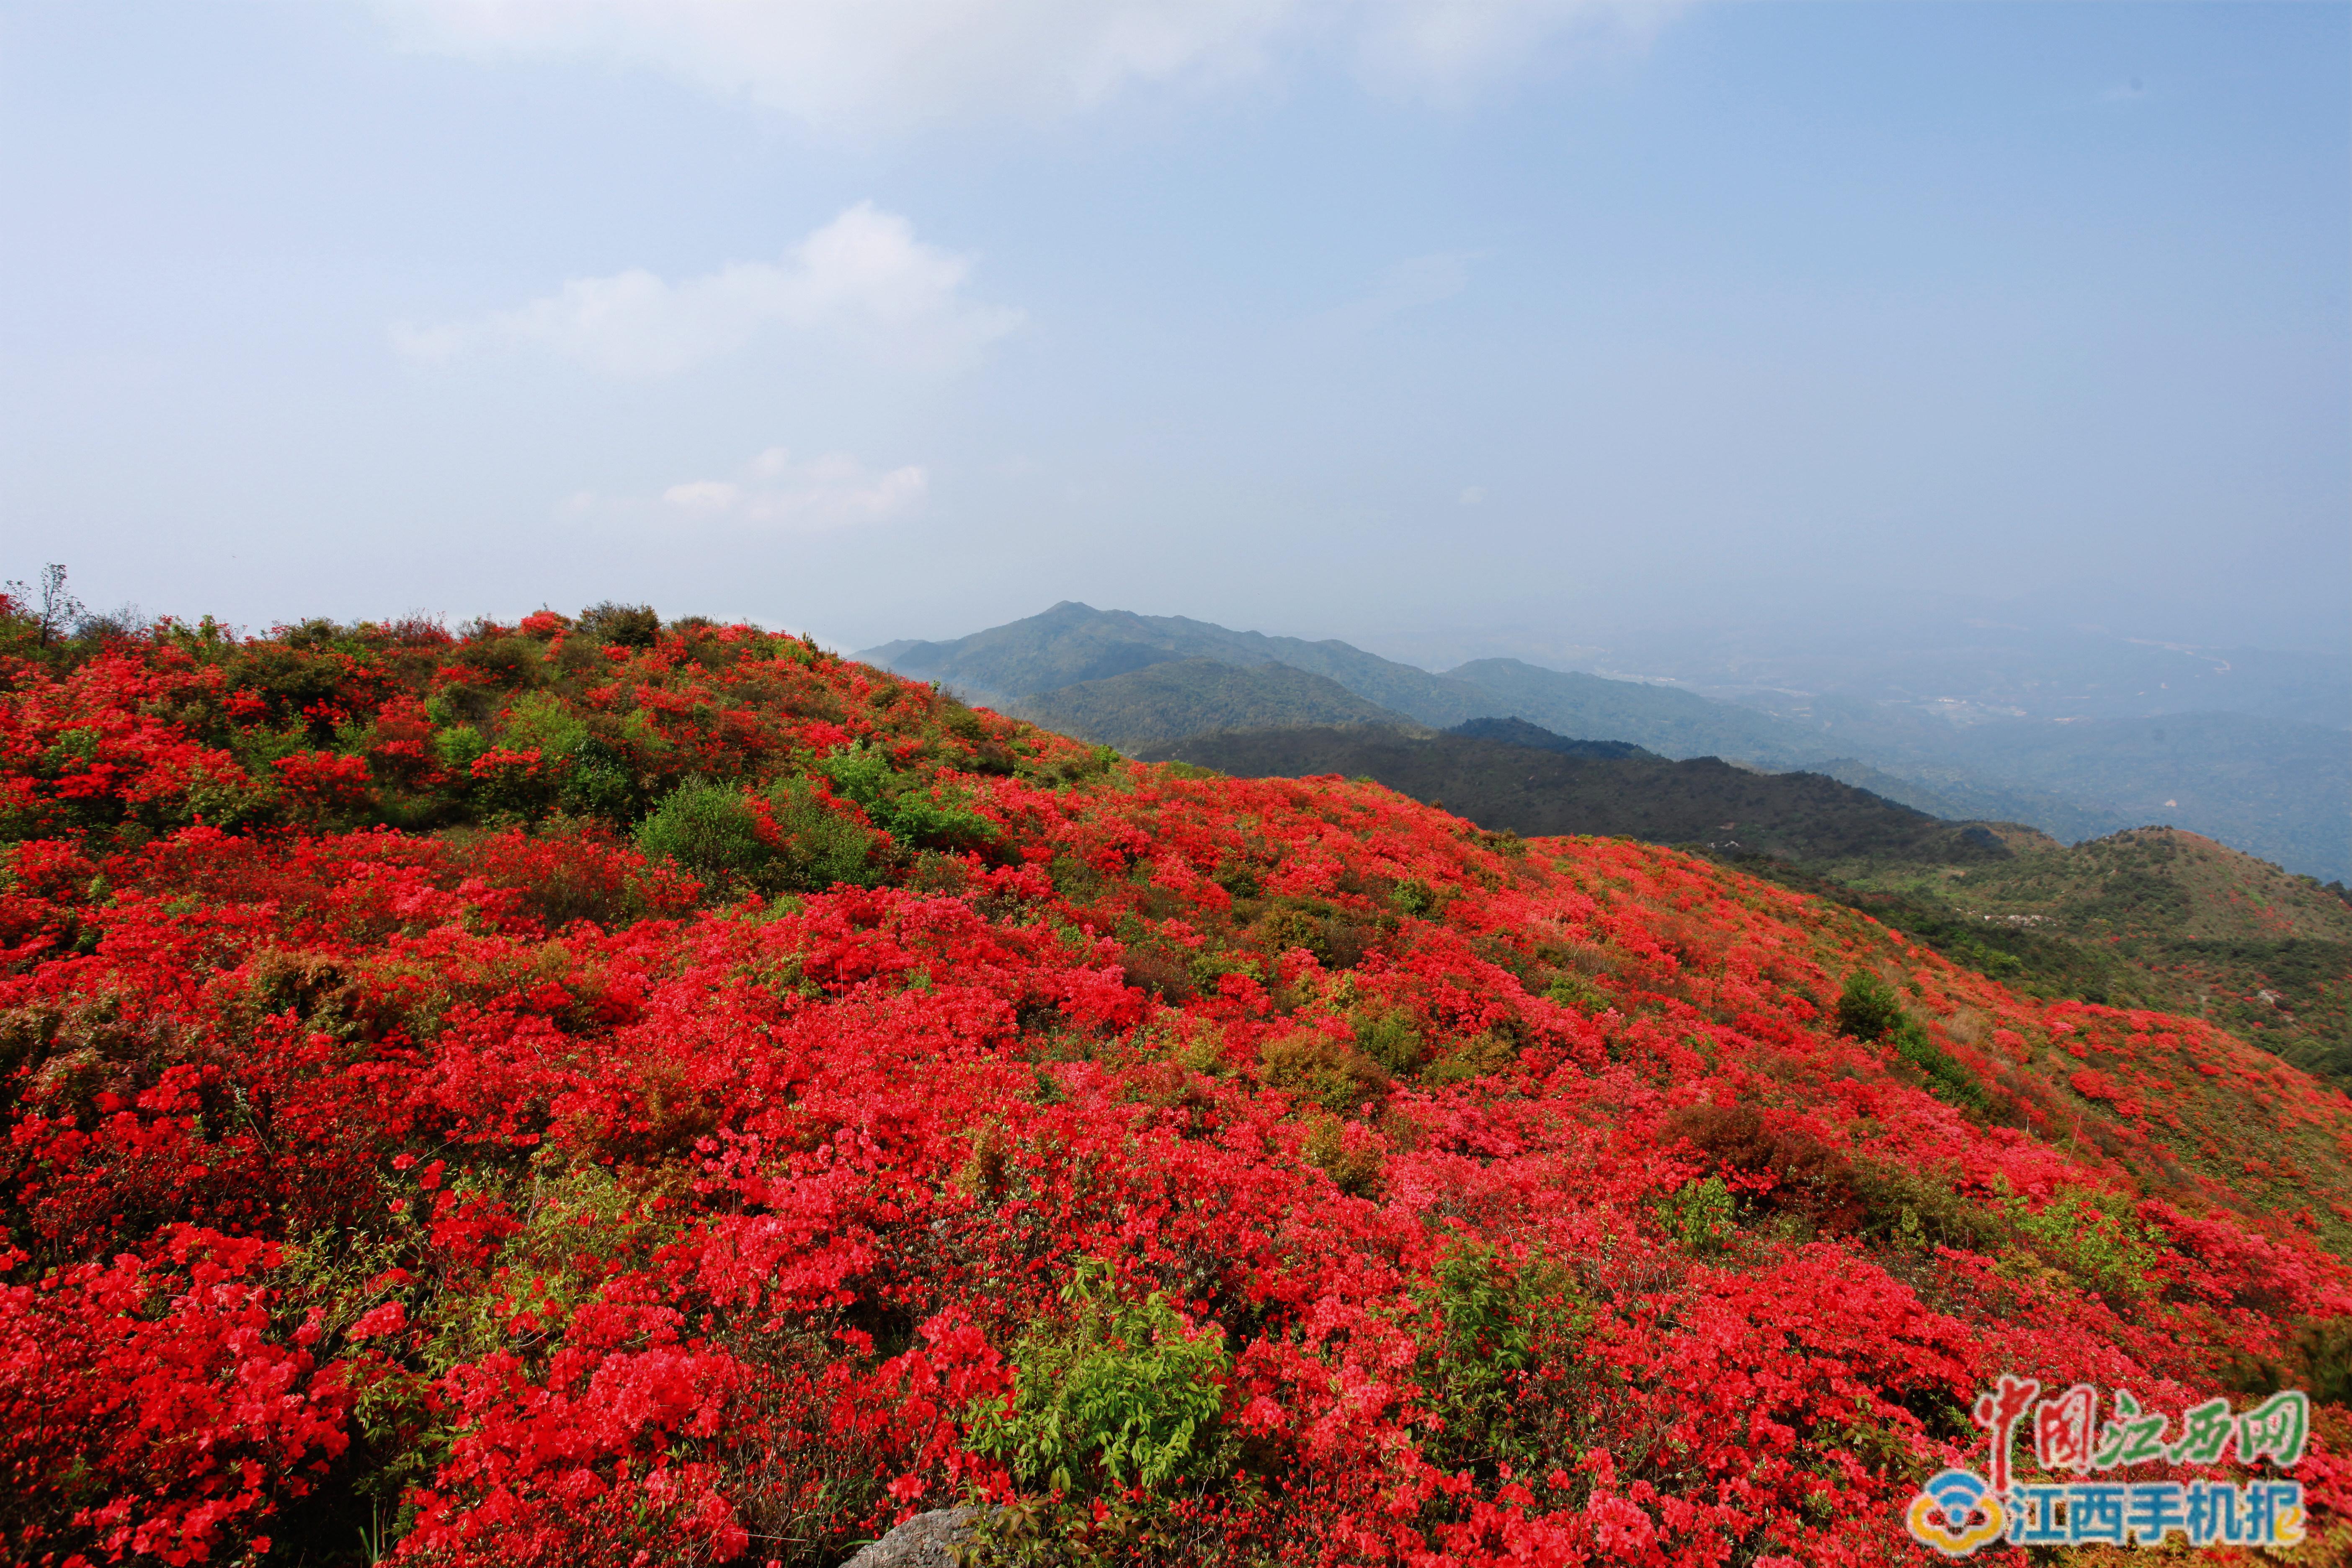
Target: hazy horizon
(1582, 322)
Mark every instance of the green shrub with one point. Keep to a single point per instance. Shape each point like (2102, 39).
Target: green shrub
(1315, 1067)
(458, 746)
(541, 721)
(711, 829)
(2091, 1236)
(1412, 897)
(1574, 991)
(1947, 1079)
(628, 626)
(597, 782)
(1389, 1039)
(916, 815)
(1700, 1215)
(1867, 1008)
(1120, 1395)
(1500, 1371)
(820, 846)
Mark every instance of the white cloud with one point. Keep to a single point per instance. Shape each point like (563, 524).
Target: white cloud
(703, 495)
(1423, 280)
(776, 494)
(859, 66)
(863, 280)
(1445, 48)
(1472, 495)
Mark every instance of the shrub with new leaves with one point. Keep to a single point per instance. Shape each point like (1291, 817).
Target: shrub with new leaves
(1115, 1395)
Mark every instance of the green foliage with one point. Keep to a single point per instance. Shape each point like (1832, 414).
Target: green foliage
(1389, 1038)
(1914, 1211)
(916, 815)
(541, 720)
(1500, 1373)
(1701, 1216)
(820, 846)
(710, 828)
(1118, 1396)
(1481, 1055)
(629, 625)
(1867, 1008)
(458, 746)
(2093, 1236)
(1319, 1070)
(715, 832)
(1356, 1169)
(1412, 897)
(1573, 991)
(1947, 1079)
(597, 782)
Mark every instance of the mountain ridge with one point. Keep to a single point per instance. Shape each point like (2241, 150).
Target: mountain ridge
(1164, 701)
(2271, 786)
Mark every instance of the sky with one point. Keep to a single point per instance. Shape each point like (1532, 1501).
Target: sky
(1386, 320)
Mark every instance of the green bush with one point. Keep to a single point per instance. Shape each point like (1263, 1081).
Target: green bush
(629, 625)
(1701, 1216)
(1500, 1373)
(1390, 1039)
(1574, 991)
(915, 815)
(1120, 1395)
(711, 829)
(2093, 1236)
(540, 721)
(820, 846)
(458, 746)
(1412, 897)
(1867, 1008)
(1947, 1079)
(597, 782)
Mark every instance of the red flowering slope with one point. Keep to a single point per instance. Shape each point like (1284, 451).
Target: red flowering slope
(617, 1094)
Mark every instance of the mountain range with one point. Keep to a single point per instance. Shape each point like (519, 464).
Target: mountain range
(2275, 787)
(1507, 774)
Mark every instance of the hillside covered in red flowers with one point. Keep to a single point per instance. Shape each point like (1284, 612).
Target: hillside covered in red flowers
(606, 1092)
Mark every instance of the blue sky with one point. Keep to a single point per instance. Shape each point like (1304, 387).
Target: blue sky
(1371, 318)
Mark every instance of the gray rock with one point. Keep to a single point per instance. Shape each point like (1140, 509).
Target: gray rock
(923, 1541)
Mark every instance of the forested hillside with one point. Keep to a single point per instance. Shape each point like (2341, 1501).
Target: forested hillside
(1529, 786)
(1163, 704)
(2151, 917)
(610, 1091)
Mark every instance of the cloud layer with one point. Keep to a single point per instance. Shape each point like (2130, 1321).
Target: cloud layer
(857, 66)
(863, 280)
(775, 494)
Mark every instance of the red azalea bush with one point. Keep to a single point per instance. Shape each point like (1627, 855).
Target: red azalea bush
(599, 1092)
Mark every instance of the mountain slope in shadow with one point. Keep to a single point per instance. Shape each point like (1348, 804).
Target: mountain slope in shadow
(1563, 786)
